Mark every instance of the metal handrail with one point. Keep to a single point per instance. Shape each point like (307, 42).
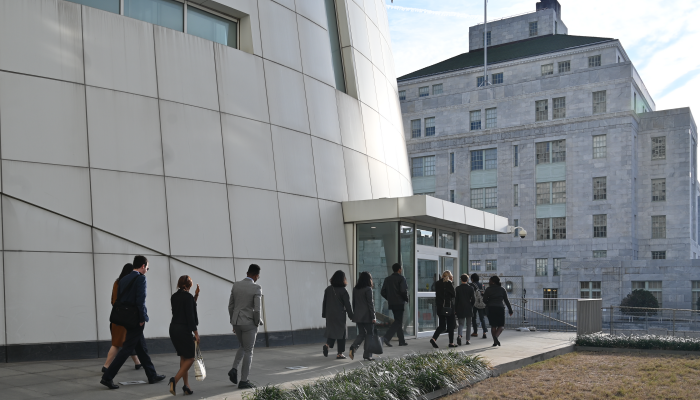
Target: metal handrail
(545, 315)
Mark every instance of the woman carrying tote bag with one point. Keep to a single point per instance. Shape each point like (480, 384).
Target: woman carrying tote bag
(365, 317)
(183, 331)
(444, 300)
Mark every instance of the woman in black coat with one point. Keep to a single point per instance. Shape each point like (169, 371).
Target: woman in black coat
(336, 303)
(464, 304)
(494, 297)
(183, 330)
(444, 298)
(364, 315)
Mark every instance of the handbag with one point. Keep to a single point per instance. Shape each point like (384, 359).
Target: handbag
(373, 344)
(200, 372)
(123, 314)
(446, 311)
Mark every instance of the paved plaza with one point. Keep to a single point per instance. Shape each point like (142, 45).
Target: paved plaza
(79, 379)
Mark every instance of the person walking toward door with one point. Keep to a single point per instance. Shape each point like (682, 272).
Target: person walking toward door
(365, 317)
(118, 332)
(479, 306)
(244, 311)
(395, 291)
(464, 305)
(336, 304)
(135, 282)
(444, 299)
(183, 331)
(494, 297)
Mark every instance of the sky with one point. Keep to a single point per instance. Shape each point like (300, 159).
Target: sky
(662, 37)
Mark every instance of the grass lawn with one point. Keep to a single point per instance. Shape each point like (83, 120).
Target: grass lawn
(591, 375)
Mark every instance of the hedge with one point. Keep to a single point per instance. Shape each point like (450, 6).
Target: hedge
(643, 342)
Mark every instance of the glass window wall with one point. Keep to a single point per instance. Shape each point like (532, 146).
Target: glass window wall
(166, 13)
(447, 240)
(211, 27)
(426, 236)
(336, 57)
(107, 5)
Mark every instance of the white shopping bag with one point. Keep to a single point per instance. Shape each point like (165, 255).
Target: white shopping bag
(199, 371)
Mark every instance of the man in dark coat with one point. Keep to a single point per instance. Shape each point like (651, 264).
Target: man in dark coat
(464, 304)
(395, 291)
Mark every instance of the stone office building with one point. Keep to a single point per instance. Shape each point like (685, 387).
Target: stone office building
(566, 142)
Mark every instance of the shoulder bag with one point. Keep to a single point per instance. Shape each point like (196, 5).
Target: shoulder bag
(126, 315)
(446, 311)
(373, 343)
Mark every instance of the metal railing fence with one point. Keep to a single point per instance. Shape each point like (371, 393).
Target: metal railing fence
(651, 321)
(543, 314)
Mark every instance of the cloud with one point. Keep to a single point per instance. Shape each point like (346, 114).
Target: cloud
(430, 12)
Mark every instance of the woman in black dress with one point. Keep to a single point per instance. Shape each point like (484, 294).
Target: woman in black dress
(182, 328)
(494, 297)
(336, 304)
(444, 298)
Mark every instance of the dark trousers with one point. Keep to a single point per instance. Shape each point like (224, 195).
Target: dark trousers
(445, 324)
(341, 344)
(481, 313)
(396, 327)
(134, 342)
(363, 330)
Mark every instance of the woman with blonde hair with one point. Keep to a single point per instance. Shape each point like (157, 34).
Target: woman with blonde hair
(183, 330)
(444, 301)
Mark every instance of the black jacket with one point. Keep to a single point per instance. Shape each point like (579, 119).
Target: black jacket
(137, 293)
(495, 296)
(395, 290)
(336, 303)
(363, 305)
(184, 310)
(444, 295)
(464, 301)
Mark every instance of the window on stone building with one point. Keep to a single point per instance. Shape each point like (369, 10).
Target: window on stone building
(556, 271)
(599, 102)
(479, 81)
(488, 38)
(497, 78)
(515, 195)
(551, 228)
(477, 160)
(559, 192)
(475, 120)
(658, 227)
(516, 231)
(658, 148)
(559, 228)
(544, 193)
(541, 266)
(415, 128)
(543, 150)
(490, 238)
(452, 163)
(541, 110)
(658, 189)
(564, 66)
(452, 196)
(600, 188)
(430, 126)
(547, 152)
(600, 146)
(491, 265)
(591, 290)
(695, 285)
(559, 108)
(600, 254)
(423, 91)
(533, 28)
(484, 159)
(600, 226)
(516, 155)
(658, 255)
(551, 192)
(547, 69)
(423, 166)
(491, 118)
(543, 231)
(594, 61)
(477, 198)
(402, 95)
(490, 198)
(558, 151)
(549, 304)
(655, 287)
(437, 89)
(476, 264)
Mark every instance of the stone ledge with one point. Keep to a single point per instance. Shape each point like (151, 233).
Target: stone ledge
(641, 351)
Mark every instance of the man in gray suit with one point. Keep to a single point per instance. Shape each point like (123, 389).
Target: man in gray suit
(244, 310)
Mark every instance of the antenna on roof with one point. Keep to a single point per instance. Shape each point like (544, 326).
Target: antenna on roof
(486, 70)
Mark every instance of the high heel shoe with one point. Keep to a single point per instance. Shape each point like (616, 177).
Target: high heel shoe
(187, 390)
(498, 342)
(171, 386)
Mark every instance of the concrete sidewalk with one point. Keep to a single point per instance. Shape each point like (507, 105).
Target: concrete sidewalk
(79, 379)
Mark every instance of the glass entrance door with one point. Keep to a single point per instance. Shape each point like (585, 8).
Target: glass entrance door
(428, 273)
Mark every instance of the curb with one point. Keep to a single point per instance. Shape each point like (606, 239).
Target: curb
(502, 369)
(640, 351)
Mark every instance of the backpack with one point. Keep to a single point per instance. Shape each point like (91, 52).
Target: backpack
(479, 303)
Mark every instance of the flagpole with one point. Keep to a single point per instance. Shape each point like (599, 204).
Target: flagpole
(486, 70)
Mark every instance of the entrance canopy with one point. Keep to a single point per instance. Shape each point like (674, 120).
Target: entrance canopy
(429, 210)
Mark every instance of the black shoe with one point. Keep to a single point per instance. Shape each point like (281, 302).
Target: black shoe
(498, 342)
(109, 383)
(156, 378)
(432, 341)
(386, 342)
(187, 390)
(171, 386)
(484, 336)
(246, 385)
(403, 344)
(369, 359)
(467, 343)
(459, 340)
(137, 366)
(325, 350)
(104, 370)
(233, 375)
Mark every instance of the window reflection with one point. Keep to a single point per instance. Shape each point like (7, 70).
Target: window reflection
(427, 275)
(447, 240)
(425, 236)
(209, 26)
(166, 13)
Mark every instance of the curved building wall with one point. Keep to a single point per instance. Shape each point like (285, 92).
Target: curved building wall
(120, 137)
